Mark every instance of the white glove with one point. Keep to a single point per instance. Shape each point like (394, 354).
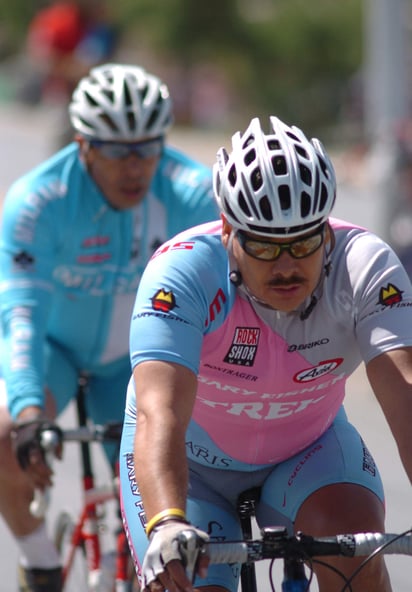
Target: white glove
(173, 540)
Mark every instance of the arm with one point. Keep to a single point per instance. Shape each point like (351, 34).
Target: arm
(26, 265)
(165, 396)
(390, 376)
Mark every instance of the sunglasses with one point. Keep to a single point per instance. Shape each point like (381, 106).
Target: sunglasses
(268, 251)
(121, 150)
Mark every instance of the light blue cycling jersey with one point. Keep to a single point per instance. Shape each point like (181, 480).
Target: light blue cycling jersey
(70, 263)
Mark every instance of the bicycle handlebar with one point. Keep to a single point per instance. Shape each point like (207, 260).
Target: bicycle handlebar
(109, 432)
(49, 442)
(276, 544)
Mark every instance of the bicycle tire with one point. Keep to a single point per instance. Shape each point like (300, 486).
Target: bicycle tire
(76, 580)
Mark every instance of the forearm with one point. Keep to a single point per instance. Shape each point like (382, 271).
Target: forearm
(403, 440)
(23, 359)
(390, 376)
(161, 466)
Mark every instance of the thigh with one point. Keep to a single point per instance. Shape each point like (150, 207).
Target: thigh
(206, 509)
(106, 393)
(61, 375)
(106, 397)
(340, 456)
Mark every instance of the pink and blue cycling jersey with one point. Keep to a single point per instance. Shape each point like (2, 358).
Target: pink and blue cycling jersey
(269, 383)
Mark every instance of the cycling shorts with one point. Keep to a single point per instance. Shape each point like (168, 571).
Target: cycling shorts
(106, 390)
(338, 456)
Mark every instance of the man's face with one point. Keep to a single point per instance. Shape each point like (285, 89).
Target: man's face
(286, 282)
(123, 171)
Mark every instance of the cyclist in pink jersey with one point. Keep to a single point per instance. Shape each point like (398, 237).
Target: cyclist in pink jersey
(243, 334)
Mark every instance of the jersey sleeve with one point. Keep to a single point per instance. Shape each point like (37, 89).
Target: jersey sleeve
(383, 297)
(174, 297)
(28, 247)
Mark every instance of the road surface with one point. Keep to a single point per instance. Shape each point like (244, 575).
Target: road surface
(26, 140)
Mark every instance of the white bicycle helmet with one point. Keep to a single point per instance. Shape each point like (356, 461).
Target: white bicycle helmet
(274, 184)
(121, 102)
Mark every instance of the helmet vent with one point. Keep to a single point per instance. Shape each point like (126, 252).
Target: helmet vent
(302, 152)
(324, 168)
(92, 102)
(109, 94)
(292, 136)
(305, 203)
(265, 208)
(229, 210)
(256, 179)
(274, 145)
(144, 91)
(127, 96)
(279, 165)
(108, 121)
(250, 139)
(232, 175)
(305, 174)
(131, 120)
(284, 197)
(250, 156)
(86, 124)
(153, 117)
(323, 197)
(243, 205)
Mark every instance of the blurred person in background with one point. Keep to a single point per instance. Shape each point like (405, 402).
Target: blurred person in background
(64, 40)
(77, 232)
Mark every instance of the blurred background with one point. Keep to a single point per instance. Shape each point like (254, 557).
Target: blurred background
(338, 68)
(341, 71)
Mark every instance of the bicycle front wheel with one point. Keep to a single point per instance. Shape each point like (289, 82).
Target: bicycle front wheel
(73, 557)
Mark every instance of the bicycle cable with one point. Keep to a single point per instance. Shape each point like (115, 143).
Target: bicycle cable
(347, 586)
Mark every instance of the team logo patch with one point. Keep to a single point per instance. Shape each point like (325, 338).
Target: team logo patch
(324, 367)
(243, 350)
(390, 295)
(23, 259)
(163, 301)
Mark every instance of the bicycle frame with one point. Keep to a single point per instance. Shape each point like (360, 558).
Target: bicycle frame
(86, 530)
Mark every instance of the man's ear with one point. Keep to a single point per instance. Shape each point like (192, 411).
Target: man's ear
(83, 147)
(226, 230)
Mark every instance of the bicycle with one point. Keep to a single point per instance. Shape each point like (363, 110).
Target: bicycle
(87, 565)
(298, 552)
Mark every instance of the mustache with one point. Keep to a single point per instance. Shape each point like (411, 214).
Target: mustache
(282, 282)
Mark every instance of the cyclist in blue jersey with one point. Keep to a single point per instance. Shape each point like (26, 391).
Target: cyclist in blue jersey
(243, 335)
(76, 234)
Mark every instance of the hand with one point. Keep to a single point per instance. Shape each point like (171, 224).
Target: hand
(174, 547)
(30, 452)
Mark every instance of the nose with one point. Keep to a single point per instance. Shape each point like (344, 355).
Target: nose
(284, 265)
(134, 165)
